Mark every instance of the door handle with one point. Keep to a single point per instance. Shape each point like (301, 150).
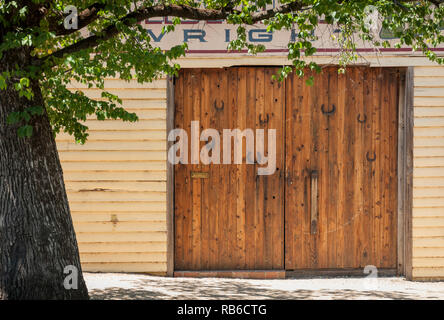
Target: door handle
(314, 202)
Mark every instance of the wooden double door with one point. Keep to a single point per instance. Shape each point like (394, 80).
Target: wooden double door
(331, 202)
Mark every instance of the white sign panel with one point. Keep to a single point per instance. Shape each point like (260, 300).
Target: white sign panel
(213, 37)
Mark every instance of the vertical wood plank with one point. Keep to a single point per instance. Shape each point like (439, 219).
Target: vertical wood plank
(322, 90)
(187, 199)
(366, 126)
(360, 230)
(250, 183)
(179, 183)
(349, 170)
(276, 181)
(315, 103)
(408, 240)
(341, 163)
(376, 166)
(231, 170)
(393, 161)
(401, 173)
(206, 186)
(196, 183)
(260, 230)
(214, 181)
(332, 170)
(170, 179)
(308, 162)
(241, 172)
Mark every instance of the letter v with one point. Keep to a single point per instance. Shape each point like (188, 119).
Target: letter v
(153, 36)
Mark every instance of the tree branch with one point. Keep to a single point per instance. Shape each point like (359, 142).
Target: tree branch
(85, 17)
(180, 11)
(437, 3)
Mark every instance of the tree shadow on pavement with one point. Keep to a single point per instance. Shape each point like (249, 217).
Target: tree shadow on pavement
(211, 288)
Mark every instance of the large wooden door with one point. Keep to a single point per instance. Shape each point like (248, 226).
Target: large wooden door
(332, 202)
(341, 176)
(227, 217)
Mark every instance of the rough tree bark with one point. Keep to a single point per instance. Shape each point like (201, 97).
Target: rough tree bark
(37, 239)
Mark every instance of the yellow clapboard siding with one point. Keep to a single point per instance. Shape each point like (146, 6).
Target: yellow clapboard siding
(428, 212)
(428, 252)
(120, 216)
(429, 242)
(111, 237)
(429, 142)
(428, 92)
(115, 196)
(428, 162)
(428, 274)
(428, 182)
(92, 247)
(123, 257)
(428, 172)
(127, 93)
(429, 112)
(429, 81)
(137, 103)
(429, 152)
(122, 135)
(428, 192)
(112, 146)
(142, 114)
(433, 71)
(428, 232)
(116, 182)
(122, 84)
(125, 125)
(428, 262)
(429, 122)
(428, 132)
(428, 222)
(428, 101)
(112, 155)
(428, 202)
(114, 165)
(115, 175)
(123, 186)
(121, 226)
(142, 267)
(144, 103)
(108, 206)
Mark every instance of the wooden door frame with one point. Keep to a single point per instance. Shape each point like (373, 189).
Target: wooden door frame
(170, 178)
(404, 174)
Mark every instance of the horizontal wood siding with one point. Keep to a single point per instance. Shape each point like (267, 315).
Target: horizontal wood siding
(116, 183)
(121, 172)
(428, 174)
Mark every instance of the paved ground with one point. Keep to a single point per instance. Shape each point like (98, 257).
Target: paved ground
(135, 286)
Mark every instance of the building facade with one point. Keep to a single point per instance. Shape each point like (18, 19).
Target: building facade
(133, 211)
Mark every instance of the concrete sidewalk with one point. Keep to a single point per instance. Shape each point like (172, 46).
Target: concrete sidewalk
(137, 286)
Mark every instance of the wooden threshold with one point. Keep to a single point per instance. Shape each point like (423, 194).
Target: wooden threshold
(326, 273)
(282, 274)
(239, 274)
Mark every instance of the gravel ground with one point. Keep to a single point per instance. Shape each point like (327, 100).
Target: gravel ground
(138, 286)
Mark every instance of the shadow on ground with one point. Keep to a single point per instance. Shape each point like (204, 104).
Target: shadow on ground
(168, 288)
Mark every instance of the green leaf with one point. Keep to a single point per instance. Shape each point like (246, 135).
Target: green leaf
(310, 81)
(25, 131)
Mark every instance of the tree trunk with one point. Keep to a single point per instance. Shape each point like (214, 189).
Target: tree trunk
(37, 239)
